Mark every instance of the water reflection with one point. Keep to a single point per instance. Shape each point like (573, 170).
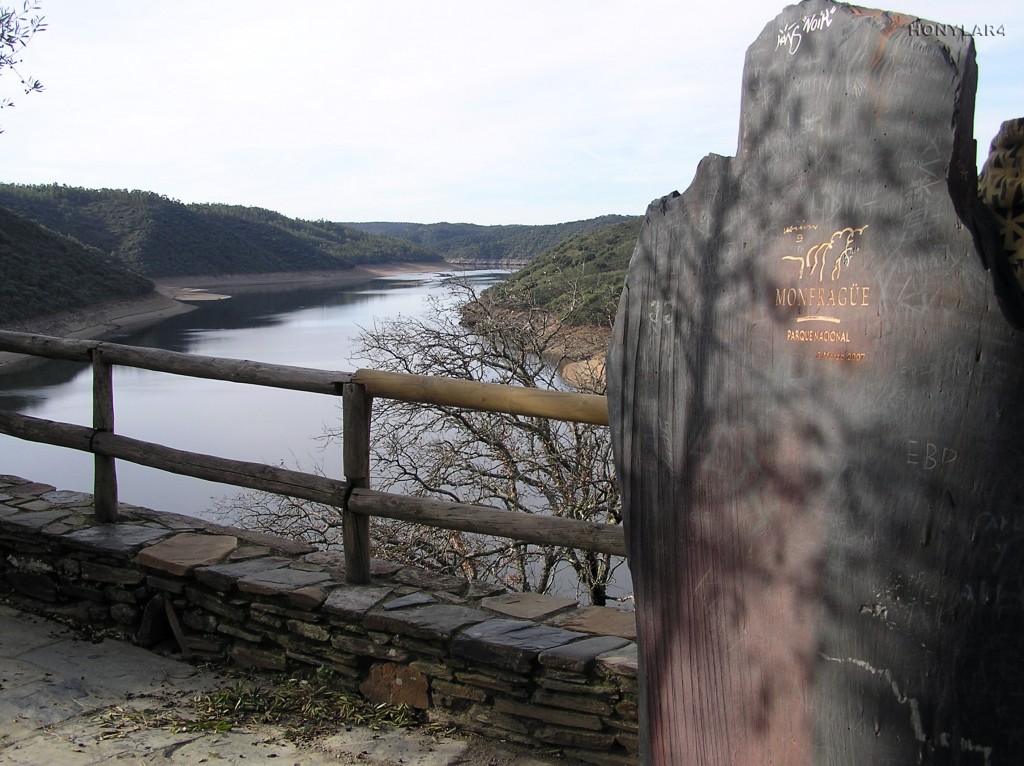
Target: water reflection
(20, 388)
(314, 327)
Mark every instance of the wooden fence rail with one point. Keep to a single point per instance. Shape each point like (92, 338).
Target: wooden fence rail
(353, 496)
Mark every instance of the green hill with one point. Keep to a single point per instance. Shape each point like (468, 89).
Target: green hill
(467, 243)
(44, 272)
(580, 279)
(157, 236)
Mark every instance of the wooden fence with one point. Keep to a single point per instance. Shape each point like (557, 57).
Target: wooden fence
(353, 496)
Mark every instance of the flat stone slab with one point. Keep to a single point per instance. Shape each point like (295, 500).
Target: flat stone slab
(354, 601)
(311, 597)
(581, 656)
(387, 747)
(435, 621)
(118, 539)
(419, 598)
(33, 520)
(511, 644)
(395, 684)
(482, 589)
(35, 505)
(421, 578)
(381, 568)
(248, 552)
(622, 661)
(30, 489)
(182, 553)
(336, 560)
(602, 620)
(528, 606)
(67, 497)
(330, 559)
(223, 577)
(283, 580)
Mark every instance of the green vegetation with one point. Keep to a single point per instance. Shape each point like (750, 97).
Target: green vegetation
(44, 272)
(468, 243)
(579, 280)
(157, 236)
(579, 276)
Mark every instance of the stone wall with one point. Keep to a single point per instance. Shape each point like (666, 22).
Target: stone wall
(531, 669)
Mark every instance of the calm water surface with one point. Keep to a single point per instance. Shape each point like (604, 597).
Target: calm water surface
(306, 328)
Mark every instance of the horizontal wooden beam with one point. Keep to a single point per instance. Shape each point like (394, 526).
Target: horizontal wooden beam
(488, 397)
(531, 528)
(238, 473)
(424, 389)
(192, 365)
(536, 528)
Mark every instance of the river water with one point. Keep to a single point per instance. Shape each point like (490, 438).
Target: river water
(304, 327)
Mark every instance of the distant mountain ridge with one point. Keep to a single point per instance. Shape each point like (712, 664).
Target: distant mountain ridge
(157, 236)
(503, 245)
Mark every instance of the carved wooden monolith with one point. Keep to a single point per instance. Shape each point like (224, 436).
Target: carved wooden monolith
(816, 391)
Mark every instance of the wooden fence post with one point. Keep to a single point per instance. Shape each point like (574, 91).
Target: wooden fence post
(104, 470)
(356, 405)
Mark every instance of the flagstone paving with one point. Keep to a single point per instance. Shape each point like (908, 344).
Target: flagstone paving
(59, 695)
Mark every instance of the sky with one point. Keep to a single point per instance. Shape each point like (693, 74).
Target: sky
(482, 112)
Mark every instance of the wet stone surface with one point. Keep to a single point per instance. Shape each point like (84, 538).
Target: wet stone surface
(118, 539)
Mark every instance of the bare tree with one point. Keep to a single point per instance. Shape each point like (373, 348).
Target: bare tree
(520, 464)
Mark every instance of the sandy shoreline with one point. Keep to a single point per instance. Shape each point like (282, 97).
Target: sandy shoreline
(177, 295)
(191, 287)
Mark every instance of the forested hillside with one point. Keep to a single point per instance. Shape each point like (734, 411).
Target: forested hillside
(580, 279)
(157, 236)
(579, 275)
(467, 243)
(43, 272)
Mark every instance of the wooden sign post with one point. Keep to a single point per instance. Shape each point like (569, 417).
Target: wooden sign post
(816, 391)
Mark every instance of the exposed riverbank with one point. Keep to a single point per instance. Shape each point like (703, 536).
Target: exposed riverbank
(191, 288)
(177, 295)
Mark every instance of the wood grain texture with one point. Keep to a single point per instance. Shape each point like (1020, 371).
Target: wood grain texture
(194, 365)
(486, 397)
(814, 395)
(104, 468)
(357, 409)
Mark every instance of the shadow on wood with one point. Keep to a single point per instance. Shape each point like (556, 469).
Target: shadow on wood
(814, 393)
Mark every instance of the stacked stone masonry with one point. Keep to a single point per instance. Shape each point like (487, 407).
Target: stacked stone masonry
(531, 669)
